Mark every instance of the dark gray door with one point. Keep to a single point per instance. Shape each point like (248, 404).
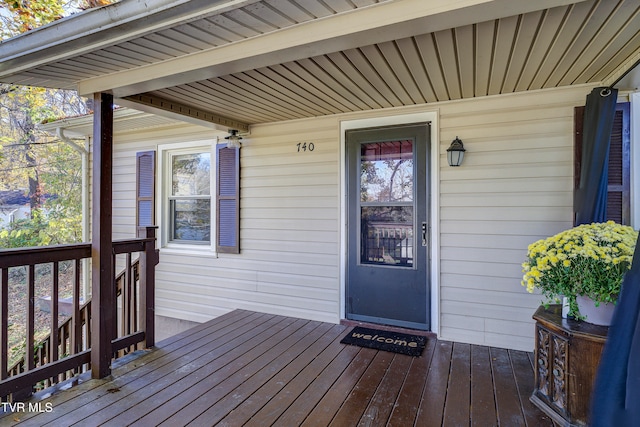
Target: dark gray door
(388, 225)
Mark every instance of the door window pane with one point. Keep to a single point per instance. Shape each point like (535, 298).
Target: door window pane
(386, 171)
(386, 235)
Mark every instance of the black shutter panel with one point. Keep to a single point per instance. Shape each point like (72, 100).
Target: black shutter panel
(145, 188)
(618, 202)
(228, 199)
(618, 190)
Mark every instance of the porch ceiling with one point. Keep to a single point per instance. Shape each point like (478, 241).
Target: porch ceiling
(245, 62)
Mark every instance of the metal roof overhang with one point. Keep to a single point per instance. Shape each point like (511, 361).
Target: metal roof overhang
(233, 63)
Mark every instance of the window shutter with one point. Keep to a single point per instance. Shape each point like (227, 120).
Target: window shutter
(227, 199)
(618, 194)
(145, 188)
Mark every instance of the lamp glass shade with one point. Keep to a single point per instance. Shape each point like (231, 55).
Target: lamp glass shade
(455, 152)
(233, 140)
(455, 157)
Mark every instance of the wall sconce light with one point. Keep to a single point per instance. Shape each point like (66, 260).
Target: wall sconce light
(455, 152)
(233, 139)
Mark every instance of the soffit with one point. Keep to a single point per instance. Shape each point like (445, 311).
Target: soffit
(124, 121)
(242, 20)
(584, 43)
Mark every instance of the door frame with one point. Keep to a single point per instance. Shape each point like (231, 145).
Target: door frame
(434, 201)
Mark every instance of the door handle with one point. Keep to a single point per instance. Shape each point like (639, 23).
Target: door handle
(424, 234)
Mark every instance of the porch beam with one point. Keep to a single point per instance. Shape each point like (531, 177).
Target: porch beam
(155, 104)
(103, 314)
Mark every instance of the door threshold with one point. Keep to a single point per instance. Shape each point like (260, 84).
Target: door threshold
(353, 323)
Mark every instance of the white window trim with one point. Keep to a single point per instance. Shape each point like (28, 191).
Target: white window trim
(164, 187)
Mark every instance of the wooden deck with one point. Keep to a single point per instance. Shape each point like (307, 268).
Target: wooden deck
(254, 369)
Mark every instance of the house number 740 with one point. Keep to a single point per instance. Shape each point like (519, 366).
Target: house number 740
(305, 146)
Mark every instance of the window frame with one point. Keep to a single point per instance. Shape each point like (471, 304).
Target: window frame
(166, 152)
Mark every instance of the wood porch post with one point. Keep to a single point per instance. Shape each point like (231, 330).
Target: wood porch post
(102, 270)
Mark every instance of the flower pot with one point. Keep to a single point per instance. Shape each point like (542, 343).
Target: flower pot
(600, 315)
(565, 307)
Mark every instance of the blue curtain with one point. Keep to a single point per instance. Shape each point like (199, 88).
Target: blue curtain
(590, 200)
(615, 400)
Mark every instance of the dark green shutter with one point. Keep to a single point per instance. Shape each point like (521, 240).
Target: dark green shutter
(227, 199)
(145, 188)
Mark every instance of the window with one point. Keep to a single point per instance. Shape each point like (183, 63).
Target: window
(619, 180)
(190, 198)
(199, 195)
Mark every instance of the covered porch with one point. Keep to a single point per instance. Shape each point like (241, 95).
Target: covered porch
(249, 368)
(283, 73)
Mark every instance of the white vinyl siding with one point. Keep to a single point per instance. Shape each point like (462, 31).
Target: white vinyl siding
(514, 187)
(289, 256)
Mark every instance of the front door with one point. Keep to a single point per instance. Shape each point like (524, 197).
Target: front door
(388, 225)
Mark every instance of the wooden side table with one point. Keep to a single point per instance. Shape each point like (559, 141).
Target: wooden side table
(567, 355)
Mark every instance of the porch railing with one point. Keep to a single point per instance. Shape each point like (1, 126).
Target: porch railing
(66, 351)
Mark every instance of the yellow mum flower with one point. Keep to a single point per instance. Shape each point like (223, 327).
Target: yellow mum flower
(589, 259)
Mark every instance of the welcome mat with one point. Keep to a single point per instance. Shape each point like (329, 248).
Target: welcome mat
(396, 342)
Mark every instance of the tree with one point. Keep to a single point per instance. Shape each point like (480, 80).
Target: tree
(45, 168)
(23, 15)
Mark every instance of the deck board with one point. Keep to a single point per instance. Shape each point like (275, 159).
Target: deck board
(431, 410)
(256, 369)
(331, 402)
(458, 404)
(507, 401)
(483, 403)
(238, 407)
(215, 385)
(356, 403)
(407, 404)
(285, 397)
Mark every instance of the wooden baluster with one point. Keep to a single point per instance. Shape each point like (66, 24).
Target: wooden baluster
(86, 315)
(74, 336)
(127, 300)
(135, 277)
(63, 340)
(4, 318)
(31, 278)
(128, 296)
(55, 293)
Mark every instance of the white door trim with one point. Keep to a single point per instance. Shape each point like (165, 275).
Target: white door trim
(434, 268)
